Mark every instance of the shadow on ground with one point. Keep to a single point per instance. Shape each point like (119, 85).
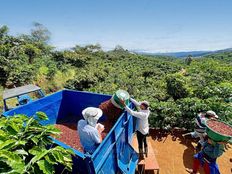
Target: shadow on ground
(177, 136)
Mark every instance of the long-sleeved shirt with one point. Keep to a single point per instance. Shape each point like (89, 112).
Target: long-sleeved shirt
(142, 115)
(89, 136)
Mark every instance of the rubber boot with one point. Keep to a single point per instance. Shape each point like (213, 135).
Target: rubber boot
(141, 153)
(146, 152)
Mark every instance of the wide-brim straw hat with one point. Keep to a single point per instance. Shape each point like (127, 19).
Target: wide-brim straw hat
(92, 112)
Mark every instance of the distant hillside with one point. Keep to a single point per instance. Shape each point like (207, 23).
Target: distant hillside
(186, 53)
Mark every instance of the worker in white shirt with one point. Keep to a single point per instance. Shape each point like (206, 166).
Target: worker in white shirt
(142, 125)
(89, 130)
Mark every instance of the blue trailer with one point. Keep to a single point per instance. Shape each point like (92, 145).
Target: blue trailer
(113, 155)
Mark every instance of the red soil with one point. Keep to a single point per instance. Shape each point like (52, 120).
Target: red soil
(220, 127)
(174, 153)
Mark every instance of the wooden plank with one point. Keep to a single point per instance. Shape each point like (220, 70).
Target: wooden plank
(150, 163)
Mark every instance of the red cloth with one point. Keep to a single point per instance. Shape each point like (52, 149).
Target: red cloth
(196, 166)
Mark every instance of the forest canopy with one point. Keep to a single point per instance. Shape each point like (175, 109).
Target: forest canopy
(177, 89)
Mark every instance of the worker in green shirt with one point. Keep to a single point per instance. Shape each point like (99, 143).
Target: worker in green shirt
(207, 157)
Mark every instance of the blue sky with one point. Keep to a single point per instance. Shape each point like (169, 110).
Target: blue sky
(149, 25)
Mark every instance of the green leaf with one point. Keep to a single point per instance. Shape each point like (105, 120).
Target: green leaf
(63, 156)
(15, 127)
(3, 135)
(52, 129)
(41, 115)
(13, 160)
(35, 140)
(2, 122)
(50, 159)
(46, 167)
(67, 159)
(4, 167)
(7, 144)
(58, 157)
(21, 152)
(28, 124)
(35, 150)
(39, 155)
(11, 130)
(21, 117)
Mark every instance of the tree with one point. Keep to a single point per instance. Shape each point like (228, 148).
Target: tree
(119, 48)
(40, 33)
(176, 86)
(31, 51)
(188, 60)
(93, 48)
(148, 73)
(3, 31)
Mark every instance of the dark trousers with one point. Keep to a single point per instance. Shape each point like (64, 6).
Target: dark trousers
(142, 140)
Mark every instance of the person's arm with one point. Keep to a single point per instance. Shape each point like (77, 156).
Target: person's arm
(136, 103)
(100, 137)
(100, 129)
(141, 115)
(97, 136)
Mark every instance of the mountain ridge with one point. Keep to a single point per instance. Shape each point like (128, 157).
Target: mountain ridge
(182, 54)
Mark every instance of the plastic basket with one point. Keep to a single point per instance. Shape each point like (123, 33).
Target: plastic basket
(216, 136)
(120, 95)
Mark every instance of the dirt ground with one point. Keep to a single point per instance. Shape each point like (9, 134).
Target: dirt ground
(174, 153)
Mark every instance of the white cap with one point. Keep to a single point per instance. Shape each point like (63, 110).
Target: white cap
(212, 113)
(91, 115)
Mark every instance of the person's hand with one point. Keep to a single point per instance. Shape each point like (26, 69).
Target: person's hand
(100, 127)
(210, 141)
(222, 142)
